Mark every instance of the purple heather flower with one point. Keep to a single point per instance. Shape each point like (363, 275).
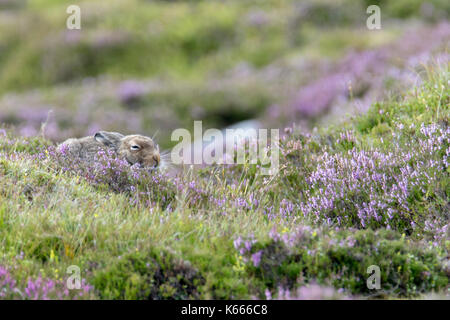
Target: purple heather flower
(256, 258)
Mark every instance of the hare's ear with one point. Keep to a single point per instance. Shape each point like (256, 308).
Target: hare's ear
(110, 139)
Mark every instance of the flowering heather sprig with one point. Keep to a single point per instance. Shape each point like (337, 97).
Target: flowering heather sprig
(248, 203)
(347, 139)
(286, 209)
(437, 230)
(7, 283)
(256, 258)
(45, 289)
(301, 234)
(40, 288)
(195, 192)
(244, 246)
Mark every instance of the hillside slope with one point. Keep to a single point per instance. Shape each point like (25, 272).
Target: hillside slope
(374, 191)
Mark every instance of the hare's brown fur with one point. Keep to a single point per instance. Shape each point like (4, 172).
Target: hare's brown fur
(132, 148)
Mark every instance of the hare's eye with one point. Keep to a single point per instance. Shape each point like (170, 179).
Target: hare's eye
(135, 147)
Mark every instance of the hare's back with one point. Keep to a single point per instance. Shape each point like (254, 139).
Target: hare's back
(84, 148)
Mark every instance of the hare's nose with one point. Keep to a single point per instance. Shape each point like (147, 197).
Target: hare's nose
(157, 159)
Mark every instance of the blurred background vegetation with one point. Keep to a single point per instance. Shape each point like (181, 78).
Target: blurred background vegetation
(141, 66)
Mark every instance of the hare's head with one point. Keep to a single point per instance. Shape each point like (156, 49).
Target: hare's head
(132, 148)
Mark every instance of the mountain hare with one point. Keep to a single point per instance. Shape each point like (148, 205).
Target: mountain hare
(132, 148)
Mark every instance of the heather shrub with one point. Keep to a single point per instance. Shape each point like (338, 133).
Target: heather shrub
(340, 258)
(386, 169)
(150, 275)
(375, 188)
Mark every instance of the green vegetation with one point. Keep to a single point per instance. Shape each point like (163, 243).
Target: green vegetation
(358, 186)
(190, 241)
